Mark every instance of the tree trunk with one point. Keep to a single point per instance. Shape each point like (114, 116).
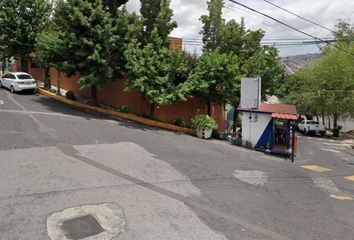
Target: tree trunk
(94, 95)
(209, 108)
(24, 64)
(58, 83)
(317, 117)
(152, 109)
(47, 82)
(329, 122)
(235, 118)
(335, 120)
(4, 65)
(335, 125)
(323, 119)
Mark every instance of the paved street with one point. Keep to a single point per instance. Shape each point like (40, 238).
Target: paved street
(168, 185)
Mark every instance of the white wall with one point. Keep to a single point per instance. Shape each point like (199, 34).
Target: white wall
(253, 129)
(347, 124)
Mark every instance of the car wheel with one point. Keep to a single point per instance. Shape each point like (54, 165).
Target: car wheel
(306, 132)
(0, 84)
(12, 89)
(322, 134)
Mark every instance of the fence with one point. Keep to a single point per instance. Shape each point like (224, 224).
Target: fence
(113, 95)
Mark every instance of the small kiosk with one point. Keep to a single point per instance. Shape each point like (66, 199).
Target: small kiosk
(267, 127)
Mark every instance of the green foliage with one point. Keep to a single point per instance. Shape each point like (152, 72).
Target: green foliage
(124, 109)
(157, 14)
(344, 32)
(50, 50)
(70, 95)
(230, 39)
(248, 144)
(254, 60)
(20, 23)
(212, 25)
(121, 21)
(112, 5)
(217, 78)
(266, 64)
(180, 122)
(328, 86)
(203, 122)
(86, 30)
(152, 71)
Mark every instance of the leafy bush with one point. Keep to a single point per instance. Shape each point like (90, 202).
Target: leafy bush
(70, 95)
(180, 122)
(124, 109)
(203, 122)
(248, 144)
(53, 90)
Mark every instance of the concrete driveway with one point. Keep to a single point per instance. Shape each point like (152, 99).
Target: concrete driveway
(166, 185)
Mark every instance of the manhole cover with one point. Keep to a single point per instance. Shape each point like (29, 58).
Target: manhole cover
(81, 227)
(95, 222)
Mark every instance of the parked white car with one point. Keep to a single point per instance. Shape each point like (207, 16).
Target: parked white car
(311, 126)
(18, 81)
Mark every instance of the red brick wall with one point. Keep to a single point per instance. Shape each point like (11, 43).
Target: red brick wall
(175, 43)
(113, 95)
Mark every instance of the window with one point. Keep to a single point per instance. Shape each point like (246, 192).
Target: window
(24, 76)
(11, 76)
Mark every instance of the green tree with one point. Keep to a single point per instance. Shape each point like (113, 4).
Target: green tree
(157, 14)
(51, 52)
(213, 24)
(217, 79)
(20, 23)
(232, 38)
(153, 71)
(255, 60)
(112, 5)
(265, 63)
(327, 87)
(121, 22)
(85, 27)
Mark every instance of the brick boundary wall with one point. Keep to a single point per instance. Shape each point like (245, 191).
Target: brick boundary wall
(113, 95)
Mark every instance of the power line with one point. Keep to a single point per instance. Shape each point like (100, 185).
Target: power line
(289, 26)
(233, 7)
(268, 39)
(308, 20)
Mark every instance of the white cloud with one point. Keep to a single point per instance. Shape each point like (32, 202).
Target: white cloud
(325, 12)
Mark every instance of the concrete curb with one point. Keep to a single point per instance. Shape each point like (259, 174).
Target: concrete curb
(126, 116)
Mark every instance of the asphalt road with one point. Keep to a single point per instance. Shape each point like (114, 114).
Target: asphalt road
(169, 185)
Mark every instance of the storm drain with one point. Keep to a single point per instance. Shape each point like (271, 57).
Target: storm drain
(81, 227)
(94, 222)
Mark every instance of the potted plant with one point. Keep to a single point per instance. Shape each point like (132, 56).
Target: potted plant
(204, 125)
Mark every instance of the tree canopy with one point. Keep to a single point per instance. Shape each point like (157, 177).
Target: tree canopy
(213, 24)
(327, 87)
(153, 69)
(20, 23)
(86, 29)
(217, 79)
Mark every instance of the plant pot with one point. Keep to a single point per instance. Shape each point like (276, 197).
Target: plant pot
(204, 133)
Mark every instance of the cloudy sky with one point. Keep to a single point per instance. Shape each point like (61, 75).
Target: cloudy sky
(324, 12)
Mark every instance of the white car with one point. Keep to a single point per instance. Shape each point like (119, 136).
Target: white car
(311, 126)
(18, 81)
